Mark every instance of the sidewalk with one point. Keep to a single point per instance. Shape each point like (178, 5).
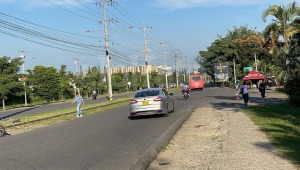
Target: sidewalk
(221, 139)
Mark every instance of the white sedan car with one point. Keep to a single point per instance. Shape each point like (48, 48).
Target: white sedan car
(152, 101)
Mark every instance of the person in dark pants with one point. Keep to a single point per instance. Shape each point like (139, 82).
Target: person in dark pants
(262, 89)
(244, 90)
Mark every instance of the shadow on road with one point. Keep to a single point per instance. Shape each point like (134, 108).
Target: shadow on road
(16, 113)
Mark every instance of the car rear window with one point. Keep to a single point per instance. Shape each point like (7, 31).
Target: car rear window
(147, 93)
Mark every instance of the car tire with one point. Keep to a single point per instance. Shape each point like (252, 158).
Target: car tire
(167, 111)
(2, 131)
(173, 109)
(132, 117)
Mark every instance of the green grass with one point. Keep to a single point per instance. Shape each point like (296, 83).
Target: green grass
(281, 123)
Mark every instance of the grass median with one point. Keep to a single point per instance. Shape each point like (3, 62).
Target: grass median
(281, 123)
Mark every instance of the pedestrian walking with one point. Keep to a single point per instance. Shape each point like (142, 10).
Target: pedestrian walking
(244, 91)
(79, 100)
(262, 89)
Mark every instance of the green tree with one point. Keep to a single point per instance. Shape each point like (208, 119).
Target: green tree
(119, 82)
(64, 85)
(9, 83)
(240, 44)
(280, 36)
(45, 82)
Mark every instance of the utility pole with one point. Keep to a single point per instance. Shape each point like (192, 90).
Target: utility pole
(255, 62)
(76, 65)
(23, 72)
(234, 71)
(146, 58)
(176, 70)
(187, 68)
(108, 70)
(164, 43)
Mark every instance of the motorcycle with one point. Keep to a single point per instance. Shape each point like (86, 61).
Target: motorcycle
(2, 130)
(186, 95)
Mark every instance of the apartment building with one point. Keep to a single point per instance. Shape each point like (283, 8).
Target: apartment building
(142, 69)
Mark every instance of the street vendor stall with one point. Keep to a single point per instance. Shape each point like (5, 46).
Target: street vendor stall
(254, 75)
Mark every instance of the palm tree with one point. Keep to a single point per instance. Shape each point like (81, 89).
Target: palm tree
(283, 26)
(279, 33)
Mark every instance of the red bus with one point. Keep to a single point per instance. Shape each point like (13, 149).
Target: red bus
(196, 81)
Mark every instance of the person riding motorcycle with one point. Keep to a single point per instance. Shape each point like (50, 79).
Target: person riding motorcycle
(185, 88)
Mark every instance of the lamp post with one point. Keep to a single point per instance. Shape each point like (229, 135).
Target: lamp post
(166, 73)
(23, 72)
(76, 65)
(146, 58)
(234, 71)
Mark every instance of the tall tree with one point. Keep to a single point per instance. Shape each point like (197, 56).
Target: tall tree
(280, 31)
(64, 86)
(9, 83)
(280, 35)
(45, 82)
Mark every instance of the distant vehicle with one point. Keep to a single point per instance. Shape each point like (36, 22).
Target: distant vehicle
(173, 85)
(196, 81)
(152, 101)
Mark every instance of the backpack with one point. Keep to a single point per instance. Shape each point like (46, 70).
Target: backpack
(242, 90)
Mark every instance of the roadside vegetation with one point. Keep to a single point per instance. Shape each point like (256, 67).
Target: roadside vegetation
(281, 123)
(274, 51)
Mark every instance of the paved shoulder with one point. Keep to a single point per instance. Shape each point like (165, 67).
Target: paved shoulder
(219, 139)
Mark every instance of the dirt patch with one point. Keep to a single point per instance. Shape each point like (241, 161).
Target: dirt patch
(219, 139)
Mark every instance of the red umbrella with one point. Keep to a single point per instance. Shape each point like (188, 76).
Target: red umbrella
(254, 75)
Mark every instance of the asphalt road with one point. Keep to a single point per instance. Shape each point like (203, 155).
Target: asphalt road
(107, 140)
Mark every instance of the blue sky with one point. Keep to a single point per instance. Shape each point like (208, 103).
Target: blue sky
(47, 29)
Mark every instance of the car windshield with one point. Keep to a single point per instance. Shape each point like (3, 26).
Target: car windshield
(147, 93)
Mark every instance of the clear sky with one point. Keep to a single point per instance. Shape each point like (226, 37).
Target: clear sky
(54, 32)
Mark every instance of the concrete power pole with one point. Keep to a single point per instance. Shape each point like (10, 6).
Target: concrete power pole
(76, 65)
(166, 73)
(188, 68)
(146, 58)
(108, 70)
(234, 72)
(23, 72)
(176, 70)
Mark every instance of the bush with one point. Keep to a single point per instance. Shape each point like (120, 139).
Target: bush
(292, 89)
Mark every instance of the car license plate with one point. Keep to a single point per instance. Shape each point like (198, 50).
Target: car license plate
(145, 103)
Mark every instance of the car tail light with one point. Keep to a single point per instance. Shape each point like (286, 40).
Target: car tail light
(133, 101)
(158, 99)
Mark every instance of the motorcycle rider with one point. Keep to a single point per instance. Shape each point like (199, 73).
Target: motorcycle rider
(185, 88)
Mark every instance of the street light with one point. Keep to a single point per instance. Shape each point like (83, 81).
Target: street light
(23, 72)
(164, 43)
(76, 64)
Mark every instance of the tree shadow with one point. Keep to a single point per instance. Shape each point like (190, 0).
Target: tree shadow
(15, 113)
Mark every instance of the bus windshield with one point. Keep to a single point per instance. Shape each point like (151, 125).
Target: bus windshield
(196, 78)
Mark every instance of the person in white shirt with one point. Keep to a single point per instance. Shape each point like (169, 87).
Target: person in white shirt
(244, 89)
(185, 88)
